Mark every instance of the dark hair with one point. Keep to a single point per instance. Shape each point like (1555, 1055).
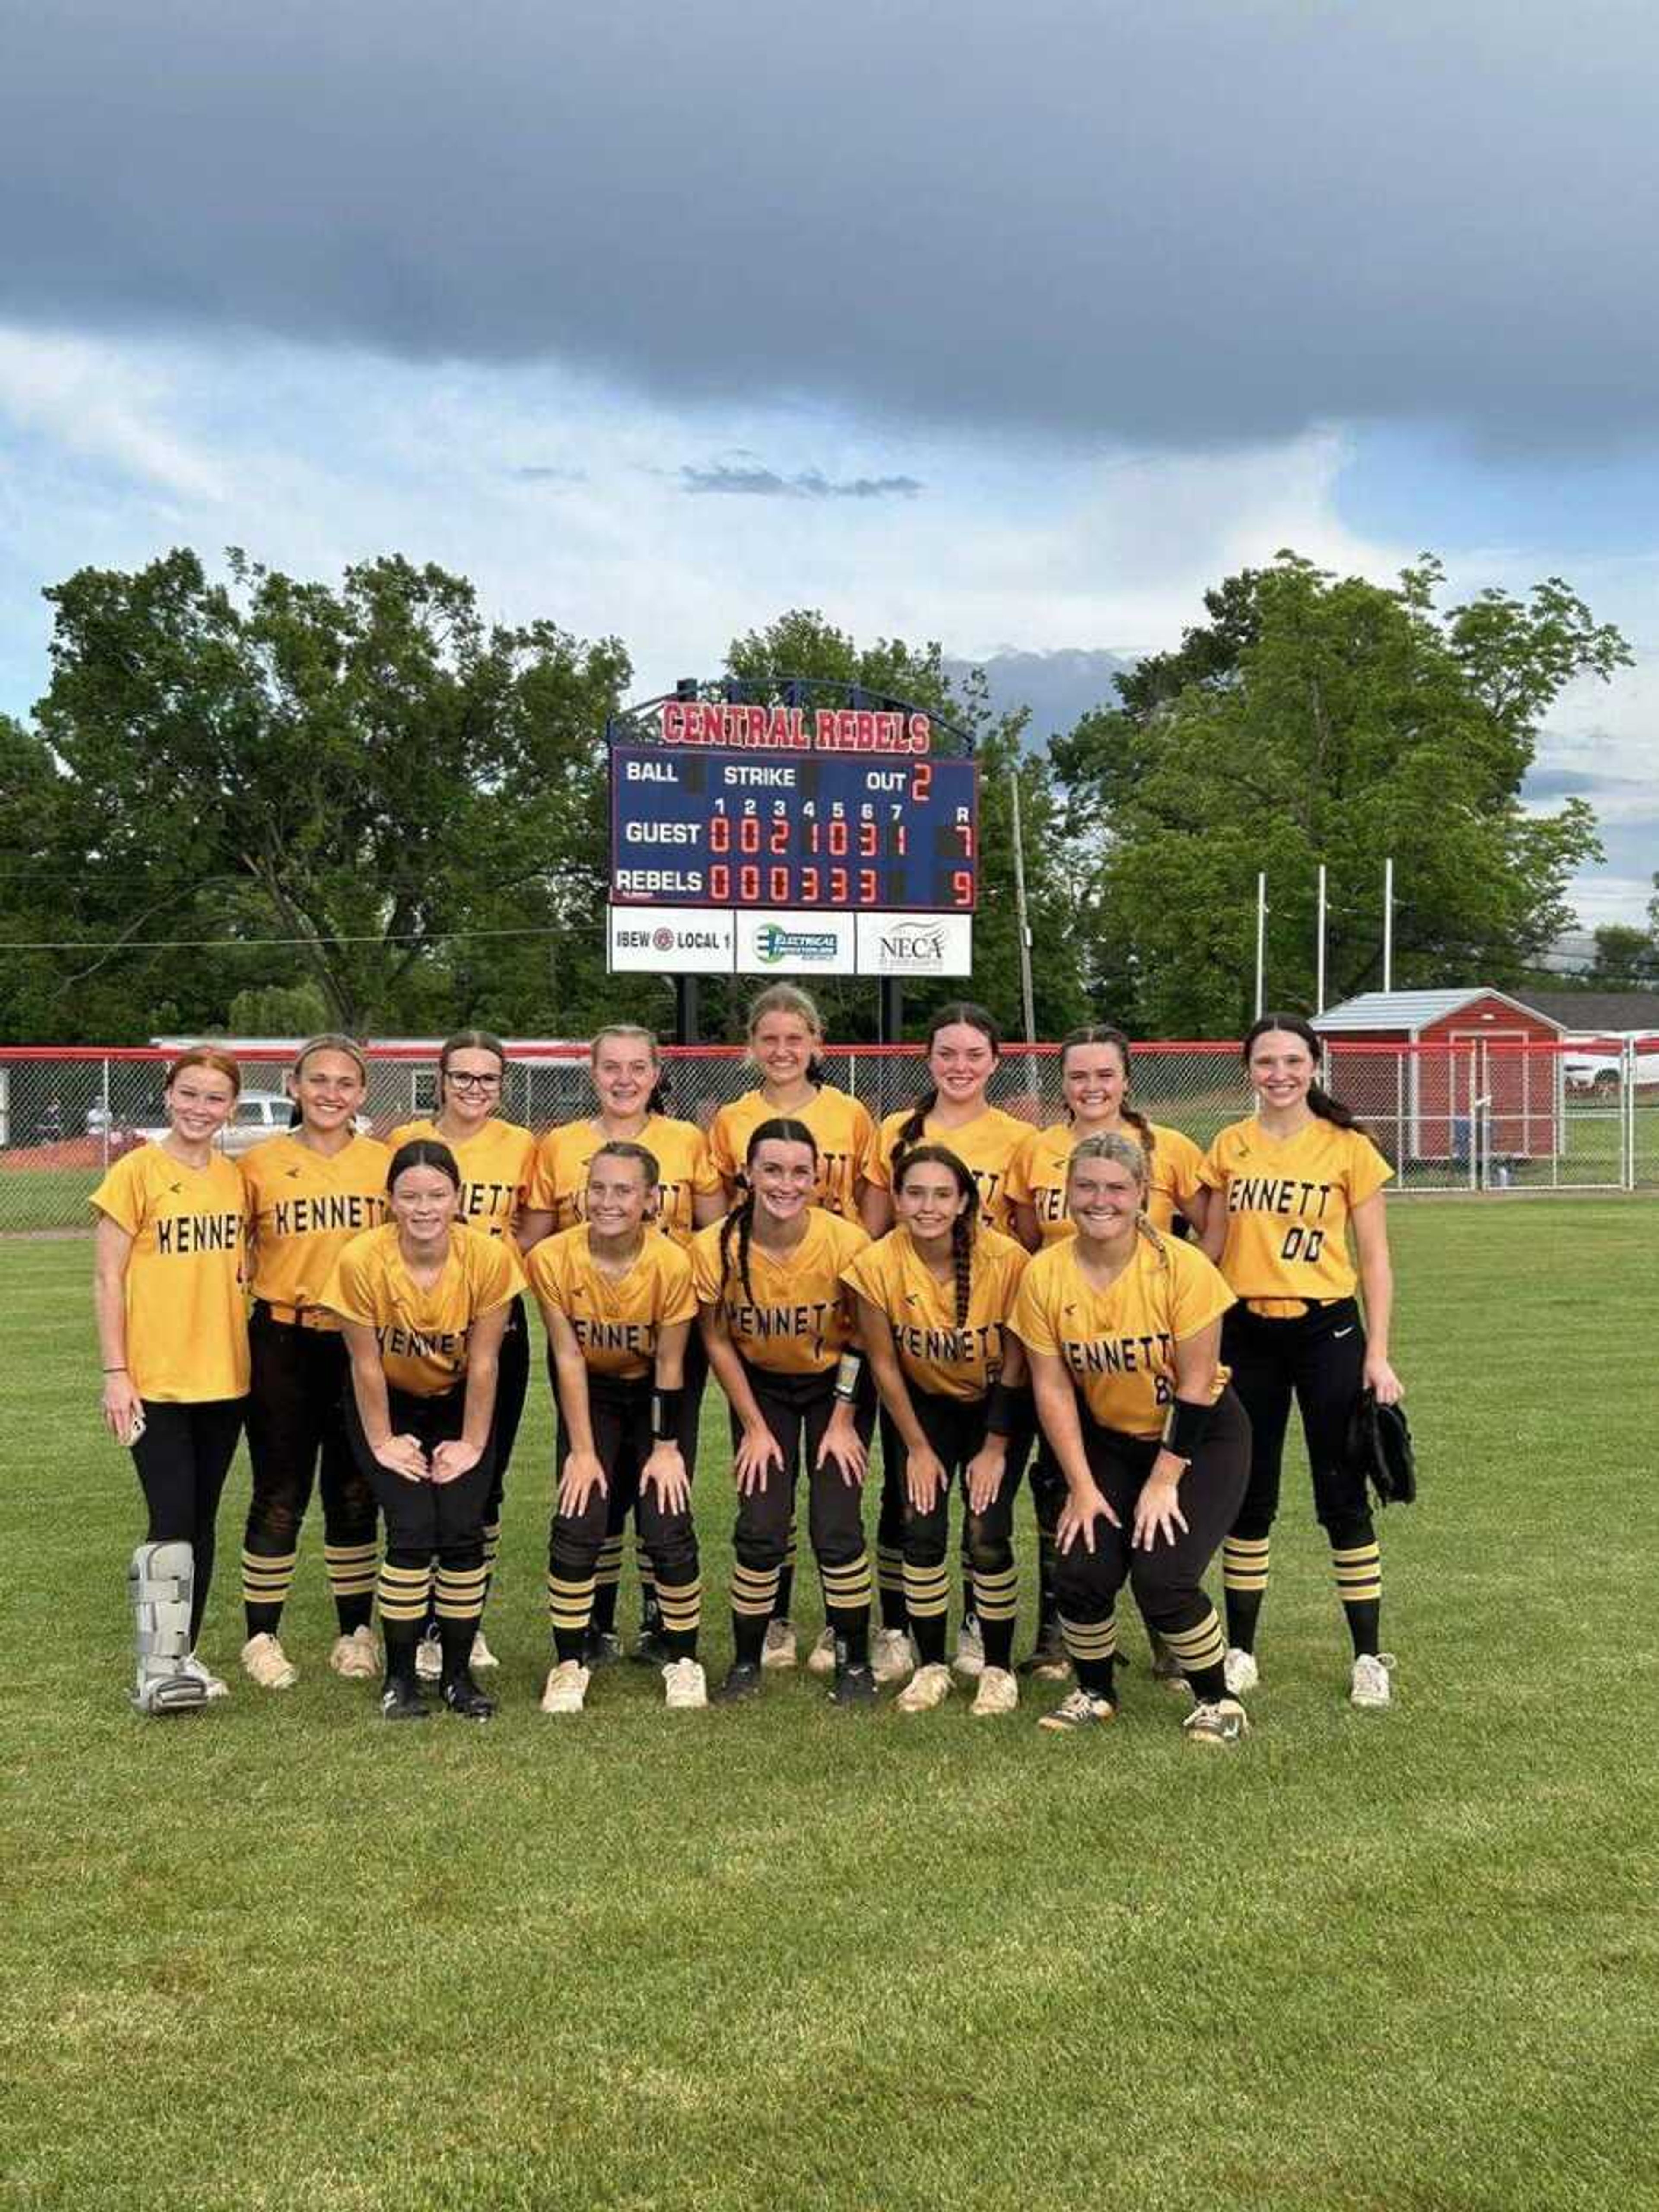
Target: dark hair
(623, 1148)
(1319, 1101)
(961, 1228)
(1102, 1033)
(658, 1102)
(470, 1041)
(740, 1222)
(974, 1017)
(423, 1153)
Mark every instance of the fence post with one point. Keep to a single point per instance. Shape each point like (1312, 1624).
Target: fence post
(1627, 1117)
(106, 1128)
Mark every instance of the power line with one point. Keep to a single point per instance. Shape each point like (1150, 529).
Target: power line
(236, 944)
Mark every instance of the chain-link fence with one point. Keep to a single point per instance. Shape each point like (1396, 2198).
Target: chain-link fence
(1465, 1117)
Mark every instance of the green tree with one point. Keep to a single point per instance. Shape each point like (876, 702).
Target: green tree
(402, 803)
(802, 643)
(1317, 719)
(1626, 958)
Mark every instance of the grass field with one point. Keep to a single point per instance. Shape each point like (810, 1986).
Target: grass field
(280, 1956)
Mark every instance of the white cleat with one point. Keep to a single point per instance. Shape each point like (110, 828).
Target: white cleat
(265, 1662)
(356, 1657)
(1222, 1723)
(892, 1655)
(821, 1659)
(1371, 1690)
(429, 1657)
(1239, 1672)
(971, 1650)
(778, 1651)
(684, 1686)
(998, 1693)
(567, 1687)
(926, 1691)
(483, 1656)
(213, 1685)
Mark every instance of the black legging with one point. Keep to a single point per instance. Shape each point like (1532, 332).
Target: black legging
(955, 1429)
(427, 1522)
(620, 1416)
(797, 1409)
(297, 1438)
(183, 1458)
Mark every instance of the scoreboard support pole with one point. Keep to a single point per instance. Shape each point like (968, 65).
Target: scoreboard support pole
(890, 1018)
(685, 1010)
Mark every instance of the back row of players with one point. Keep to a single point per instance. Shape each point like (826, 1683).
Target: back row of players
(979, 1285)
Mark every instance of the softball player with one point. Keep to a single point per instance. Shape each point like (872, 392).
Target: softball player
(172, 1235)
(964, 1047)
(933, 1297)
(777, 1329)
(619, 1305)
(1123, 1327)
(497, 1159)
(786, 1036)
(1290, 1183)
(309, 1191)
(626, 1070)
(1094, 1083)
(423, 1304)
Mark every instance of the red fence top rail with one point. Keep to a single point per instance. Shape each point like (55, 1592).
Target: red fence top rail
(530, 1048)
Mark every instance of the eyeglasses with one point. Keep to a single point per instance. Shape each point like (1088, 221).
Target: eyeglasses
(472, 1082)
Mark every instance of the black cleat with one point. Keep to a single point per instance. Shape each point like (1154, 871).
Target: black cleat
(602, 1649)
(462, 1695)
(401, 1701)
(742, 1681)
(649, 1649)
(854, 1686)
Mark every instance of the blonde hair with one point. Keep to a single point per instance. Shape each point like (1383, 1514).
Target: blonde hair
(658, 1102)
(785, 998)
(1123, 1150)
(332, 1040)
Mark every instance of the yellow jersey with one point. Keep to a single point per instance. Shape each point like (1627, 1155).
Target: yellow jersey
(424, 1333)
(186, 1318)
(935, 1353)
(792, 1316)
(307, 1208)
(559, 1186)
(1118, 1345)
(985, 1146)
(841, 1128)
(1288, 1201)
(616, 1319)
(495, 1163)
(1037, 1176)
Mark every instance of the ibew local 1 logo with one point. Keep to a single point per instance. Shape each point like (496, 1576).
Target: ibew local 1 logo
(774, 945)
(922, 946)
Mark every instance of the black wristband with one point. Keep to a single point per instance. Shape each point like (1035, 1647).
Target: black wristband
(1008, 1410)
(848, 1374)
(666, 1415)
(1186, 1427)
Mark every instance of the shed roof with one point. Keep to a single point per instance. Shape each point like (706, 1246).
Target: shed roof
(1601, 1012)
(1411, 1011)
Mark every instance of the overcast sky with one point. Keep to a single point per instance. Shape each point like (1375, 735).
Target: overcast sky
(1001, 325)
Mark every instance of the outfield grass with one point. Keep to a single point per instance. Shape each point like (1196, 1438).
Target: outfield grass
(280, 1956)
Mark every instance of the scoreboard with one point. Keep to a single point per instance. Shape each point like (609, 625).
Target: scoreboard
(805, 831)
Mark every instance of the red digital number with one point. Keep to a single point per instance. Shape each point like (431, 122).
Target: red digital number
(837, 886)
(777, 886)
(779, 840)
(901, 839)
(869, 890)
(810, 888)
(748, 834)
(962, 886)
(965, 832)
(719, 883)
(720, 832)
(869, 841)
(812, 836)
(838, 839)
(921, 780)
(748, 885)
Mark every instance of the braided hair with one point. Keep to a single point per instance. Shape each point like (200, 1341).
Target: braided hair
(1124, 1151)
(658, 1102)
(961, 1228)
(739, 1224)
(960, 1010)
(1320, 1102)
(789, 999)
(1101, 1033)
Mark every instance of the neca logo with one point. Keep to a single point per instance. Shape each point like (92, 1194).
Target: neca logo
(913, 944)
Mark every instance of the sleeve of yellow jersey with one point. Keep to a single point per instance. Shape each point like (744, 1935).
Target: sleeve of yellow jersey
(706, 1177)
(1216, 1165)
(497, 1277)
(540, 1198)
(347, 1290)
(1030, 1319)
(1199, 1294)
(864, 1273)
(119, 1194)
(706, 1268)
(1367, 1171)
(1186, 1162)
(679, 1293)
(1017, 1184)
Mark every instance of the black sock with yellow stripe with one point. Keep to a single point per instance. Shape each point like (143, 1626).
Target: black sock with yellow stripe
(1198, 1649)
(404, 1591)
(754, 1602)
(351, 1571)
(267, 1577)
(679, 1610)
(891, 1582)
(847, 1595)
(650, 1611)
(1358, 1571)
(996, 1600)
(569, 1605)
(927, 1601)
(607, 1580)
(1091, 1646)
(1245, 1580)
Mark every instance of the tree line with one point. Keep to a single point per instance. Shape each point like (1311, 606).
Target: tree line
(256, 803)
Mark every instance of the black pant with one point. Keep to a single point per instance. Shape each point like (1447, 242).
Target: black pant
(955, 1430)
(512, 1383)
(1318, 1357)
(1168, 1580)
(428, 1521)
(797, 1409)
(296, 1427)
(890, 1517)
(620, 1414)
(183, 1458)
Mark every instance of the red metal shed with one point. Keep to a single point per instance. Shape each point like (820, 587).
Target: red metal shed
(1457, 1053)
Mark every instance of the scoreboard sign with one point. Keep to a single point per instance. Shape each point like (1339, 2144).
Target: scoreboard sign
(796, 826)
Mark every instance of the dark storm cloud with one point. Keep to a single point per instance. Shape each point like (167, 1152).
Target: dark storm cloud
(1176, 221)
(765, 483)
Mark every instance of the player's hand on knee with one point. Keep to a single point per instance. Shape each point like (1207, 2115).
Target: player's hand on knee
(454, 1458)
(986, 1471)
(757, 1450)
(924, 1478)
(843, 1444)
(1382, 1378)
(1157, 1512)
(665, 1473)
(1078, 1517)
(583, 1475)
(403, 1455)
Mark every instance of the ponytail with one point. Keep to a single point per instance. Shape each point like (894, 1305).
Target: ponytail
(911, 1129)
(961, 1256)
(1319, 1101)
